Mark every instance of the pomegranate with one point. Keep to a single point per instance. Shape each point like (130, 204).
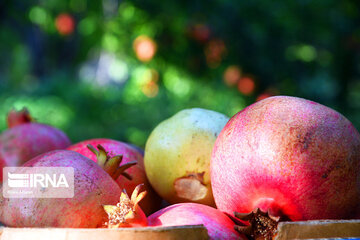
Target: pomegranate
(93, 188)
(26, 139)
(178, 152)
(219, 225)
(127, 212)
(289, 157)
(152, 201)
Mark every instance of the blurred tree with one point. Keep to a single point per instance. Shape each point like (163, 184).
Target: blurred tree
(117, 68)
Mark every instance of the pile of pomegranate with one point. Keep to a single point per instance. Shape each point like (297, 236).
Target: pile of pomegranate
(280, 159)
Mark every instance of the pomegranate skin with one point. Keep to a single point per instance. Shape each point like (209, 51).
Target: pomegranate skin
(219, 225)
(288, 156)
(152, 201)
(25, 141)
(93, 188)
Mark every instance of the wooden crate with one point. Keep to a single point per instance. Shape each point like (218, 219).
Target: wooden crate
(191, 232)
(319, 229)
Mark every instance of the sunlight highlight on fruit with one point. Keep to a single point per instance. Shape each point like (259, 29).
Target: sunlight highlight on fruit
(232, 75)
(145, 48)
(246, 85)
(65, 23)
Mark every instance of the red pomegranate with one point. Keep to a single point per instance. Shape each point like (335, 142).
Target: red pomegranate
(26, 139)
(152, 201)
(93, 188)
(290, 157)
(219, 225)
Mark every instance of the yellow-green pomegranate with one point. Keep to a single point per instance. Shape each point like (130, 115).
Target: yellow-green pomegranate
(178, 152)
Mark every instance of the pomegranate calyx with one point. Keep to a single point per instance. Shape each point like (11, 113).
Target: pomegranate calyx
(16, 118)
(262, 225)
(126, 213)
(111, 164)
(136, 197)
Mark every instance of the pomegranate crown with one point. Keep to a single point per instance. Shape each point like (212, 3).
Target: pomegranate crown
(127, 212)
(15, 117)
(111, 164)
(261, 225)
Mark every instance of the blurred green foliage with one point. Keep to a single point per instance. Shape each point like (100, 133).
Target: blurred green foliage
(117, 68)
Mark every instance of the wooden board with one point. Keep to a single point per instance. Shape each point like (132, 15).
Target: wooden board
(190, 232)
(286, 230)
(319, 229)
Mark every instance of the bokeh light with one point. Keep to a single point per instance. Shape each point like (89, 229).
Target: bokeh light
(214, 52)
(246, 85)
(38, 15)
(177, 83)
(302, 52)
(145, 48)
(65, 24)
(200, 32)
(232, 75)
(150, 89)
(150, 83)
(107, 69)
(87, 26)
